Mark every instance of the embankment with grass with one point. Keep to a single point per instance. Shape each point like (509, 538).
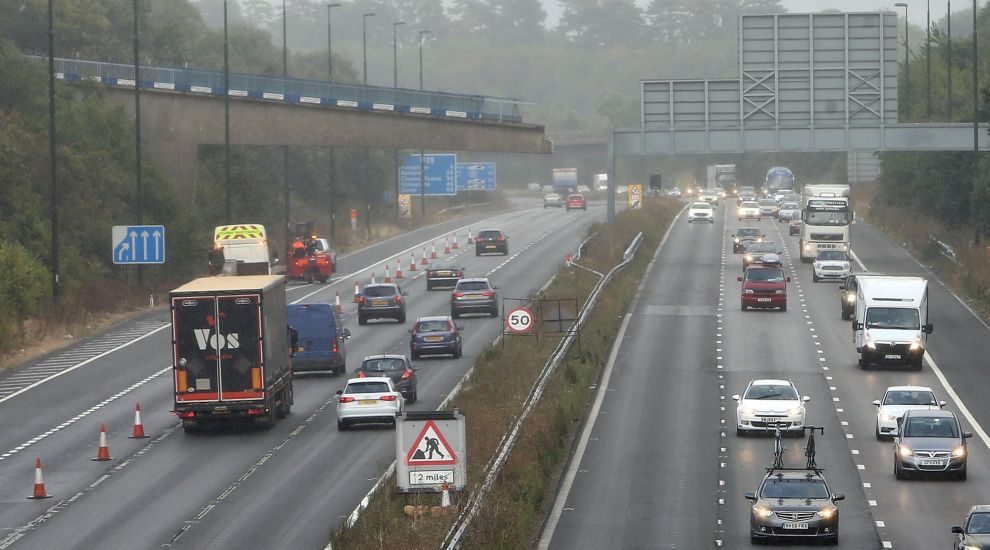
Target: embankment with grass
(493, 397)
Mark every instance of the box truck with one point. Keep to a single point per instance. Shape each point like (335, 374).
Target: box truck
(231, 350)
(891, 324)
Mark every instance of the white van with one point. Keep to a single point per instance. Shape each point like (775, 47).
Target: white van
(241, 249)
(891, 325)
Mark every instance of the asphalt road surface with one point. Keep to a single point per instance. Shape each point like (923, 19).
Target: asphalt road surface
(662, 466)
(237, 487)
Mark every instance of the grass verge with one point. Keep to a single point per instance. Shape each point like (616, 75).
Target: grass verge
(502, 378)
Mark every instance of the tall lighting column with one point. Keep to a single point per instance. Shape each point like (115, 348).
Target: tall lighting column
(928, 61)
(137, 129)
(51, 151)
(226, 117)
(364, 45)
(285, 148)
(976, 123)
(422, 168)
(330, 166)
(948, 15)
(395, 53)
(907, 71)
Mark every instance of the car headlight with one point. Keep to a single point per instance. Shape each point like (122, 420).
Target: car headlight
(794, 411)
(760, 240)
(887, 417)
(905, 451)
(746, 410)
(868, 342)
(916, 343)
(748, 291)
(762, 511)
(749, 257)
(851, 298)
(959, 451)
(845, 266)
(736, 240)
(970, 547)
(779, 291)
(807, 247)
(827, 513)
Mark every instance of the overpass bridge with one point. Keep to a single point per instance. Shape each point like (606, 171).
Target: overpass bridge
(183, 110)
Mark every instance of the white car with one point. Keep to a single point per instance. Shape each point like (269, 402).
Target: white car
(702, 212)
(789, 211)
(831, 265)
(768, 207)
(368, 400)
(767, 402)
(534, 187)
(674, 192)
(709, 196)
(748, 210)
(899, 399)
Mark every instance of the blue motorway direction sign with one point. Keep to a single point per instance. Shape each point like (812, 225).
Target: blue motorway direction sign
(138, 244)
(440, 171)
(476, 176)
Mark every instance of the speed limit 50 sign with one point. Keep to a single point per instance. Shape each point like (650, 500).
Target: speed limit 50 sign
(519, 320)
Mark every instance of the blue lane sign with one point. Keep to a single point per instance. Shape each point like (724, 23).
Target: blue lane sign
(138, 244)
(476, 176)
(440, 171)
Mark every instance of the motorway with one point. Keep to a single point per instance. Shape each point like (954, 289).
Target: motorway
(235, 488)
(660, 465)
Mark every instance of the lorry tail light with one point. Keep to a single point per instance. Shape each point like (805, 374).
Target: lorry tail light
(345, 399)
(256, 382)
(334, 348)
(387, 398)
(406, 374)
(256, 411)
(181, 380)
(186, 414)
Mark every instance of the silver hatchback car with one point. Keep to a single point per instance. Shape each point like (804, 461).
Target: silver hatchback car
(475, 295)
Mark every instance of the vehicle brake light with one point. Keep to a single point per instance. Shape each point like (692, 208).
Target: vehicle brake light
(387, 398)
(487, 293)
(361, 374)
(406, 374)
(502, 238)
(345, 399)
(360, 299)
(458, 295)
(186, 414)
(256, 411)
(335, 345)
(398, 297)
(450, 326)
(457, 274)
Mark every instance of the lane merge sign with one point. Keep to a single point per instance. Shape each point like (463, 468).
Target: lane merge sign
(519, 320)
(138, 244)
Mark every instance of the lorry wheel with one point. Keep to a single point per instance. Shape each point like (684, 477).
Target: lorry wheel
(280, 409)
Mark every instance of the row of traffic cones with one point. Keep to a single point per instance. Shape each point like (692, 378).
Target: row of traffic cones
(102, 454)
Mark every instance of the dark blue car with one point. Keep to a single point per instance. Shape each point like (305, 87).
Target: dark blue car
(435, 335)
(321, 338)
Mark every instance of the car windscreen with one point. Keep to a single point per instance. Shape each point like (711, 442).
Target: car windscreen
(794, 488)
(909, 397)
(701, 206)
(789, 206)
(552, 196)
(768, 202)
(892, 318)
(930, 426)
(748, 232)
(758, 275)
(367, 387)
(832, 255)
(376, 291)
(433, 326)
(472, 285)
(748, 205)
(979, 524)
(761, 247)
(384, 364)
(771, 392)
(489, 234)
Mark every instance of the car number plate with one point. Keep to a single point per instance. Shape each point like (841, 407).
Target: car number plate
(300, 348)
(794, 525)
(368, 401)
(490, 246)
(763, 299)
(434, 338)
(923, 462)
(378, 302)
(892, 356)
(443, 273)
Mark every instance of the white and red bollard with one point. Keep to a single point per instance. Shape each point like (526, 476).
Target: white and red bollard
(470, 238)
(388, 277)
(337, 303)
(138, 432)
(103, 453)
(446, 244)
(422, 260)
(398, 269)
(433, 251)
(412, 261)
(372, 277)
(357, 291)
(454, 245)
(39, 482)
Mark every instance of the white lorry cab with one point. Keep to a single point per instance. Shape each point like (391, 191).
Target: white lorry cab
(891, 324)
(240, 249)
(826, 215)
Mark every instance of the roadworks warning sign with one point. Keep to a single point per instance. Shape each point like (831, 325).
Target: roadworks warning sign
(431, 448)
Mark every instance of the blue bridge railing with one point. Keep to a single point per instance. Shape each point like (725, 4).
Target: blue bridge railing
(294, 90)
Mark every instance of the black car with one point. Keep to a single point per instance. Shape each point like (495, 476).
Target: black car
(443, 274)
(930, 443)
(435, 335)
(491, 241)
(744, 236)
(794, 503)
(847, 293)
(755, 252)
(396, 367)
(975, 531)
(381, 301)
(474, 296)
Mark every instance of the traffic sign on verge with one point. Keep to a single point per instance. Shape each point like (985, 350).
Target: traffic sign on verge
(430, 450)
(519, 320)
(440, 172)
(138, 244)
(635, 196)
(478, 176)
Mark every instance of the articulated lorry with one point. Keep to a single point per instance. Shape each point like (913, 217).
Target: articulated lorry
(825, 219)
(231, 350)
(891, 324)
(778, 178)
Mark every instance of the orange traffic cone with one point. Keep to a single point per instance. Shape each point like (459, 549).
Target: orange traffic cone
(454, 245)
(357, 291)
(446, 245)
(103, 454)
(138, 427)
(433, 251)
(39, 482)
(337, 303)
(388, 278)
(412, 261)
(398, 269)
(422, 259)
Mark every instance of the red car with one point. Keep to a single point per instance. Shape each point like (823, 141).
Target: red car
(764, 287)
(576, 201)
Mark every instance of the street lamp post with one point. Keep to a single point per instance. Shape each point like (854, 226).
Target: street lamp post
(948, 15)
(52, 153)
(226, 117)
(976, 124)
(907, 72)
(421, 35)
(330, 41)
(364, 44)
(928, 61)
(137, 130)
(395, 53)
(285, 148)
(422, 168)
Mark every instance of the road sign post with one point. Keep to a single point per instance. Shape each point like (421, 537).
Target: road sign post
(430, 450)
(138, 244)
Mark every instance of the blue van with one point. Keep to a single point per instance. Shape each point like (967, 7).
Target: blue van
(321, 338)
